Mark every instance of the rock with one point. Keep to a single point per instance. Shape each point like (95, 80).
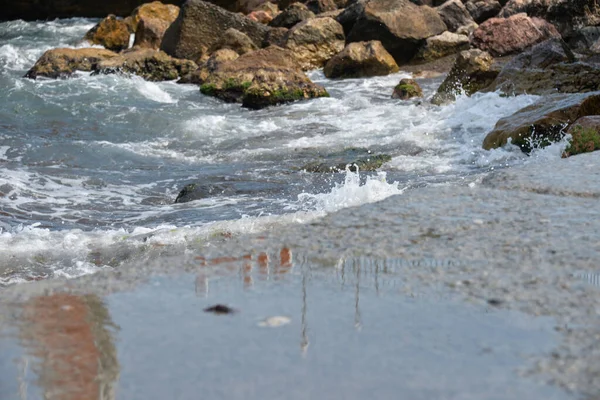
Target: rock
(584, 39)
(348, 17)
(360, 59)
(269, 7)
(291, 16)
(200, 25)
(535, 71)
(111, 33)
(482, 10)
(331, 14)
(61, 63)
(150, 64)
(247, 6)
(321, 6)
(468, 29)
(260, 16)
(503, 36)
(352, 158)
(195, 191)
(407, 89)
(262, 78)
(31, 10)
(585, 136)
(443, 45)
(200, 75)
(314, 41)
(454, 14)
(543, 122)
(400, 25)
(473, 70)
(236, 41)
(150, 22)
(220, 309)
(275, 36)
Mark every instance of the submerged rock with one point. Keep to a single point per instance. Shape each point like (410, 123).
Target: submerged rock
(585, 136)
(152, 65)
(262, 78)
(200, 25)
(150, 22)
(473, 70)
(407, 89)
(111, 33)
(400, 25)
(543, 122)
(195, 191)
(353, 158)
(62, 63)
(360, 59)
(503, 36)
(314, 41)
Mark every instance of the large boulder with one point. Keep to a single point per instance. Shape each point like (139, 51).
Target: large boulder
(200, 75)
(262, 78)
(482, 10)
(236, 41)
(360, 59)
(61, 63)
(150, 22)
(454, 14)
(111, 33)
(543, 122)
(400, 25)
(150, 64)
(504, 36)
(348, 17)
(200, 25)
(30, 10)
(294, 14)
(442, 45)
(472, 71)
(315, 41)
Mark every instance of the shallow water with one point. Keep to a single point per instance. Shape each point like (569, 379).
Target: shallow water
(92, 164)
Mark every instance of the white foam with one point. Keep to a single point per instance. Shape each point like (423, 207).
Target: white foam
(152, 91)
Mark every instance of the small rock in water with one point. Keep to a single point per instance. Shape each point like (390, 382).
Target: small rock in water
(274, 322)
(495, 302)
(220, 309)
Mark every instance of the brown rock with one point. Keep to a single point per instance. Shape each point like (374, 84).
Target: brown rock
(275, 36)
(292, 16)
(200, 75)
(150, 64)
(111, 33)
(400, 25)
(442, 45)
(503, 36)
(201, 24)
(585, 136)
(150, 21)
(360, 59)
(262, 78)
(543, 122)
(314, 41)
(61, 63)
(236, 41)
(454, 14)
(407, 89)
(260, 16)
(321, 6)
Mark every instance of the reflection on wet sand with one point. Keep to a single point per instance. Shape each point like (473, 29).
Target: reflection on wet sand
(71, 338)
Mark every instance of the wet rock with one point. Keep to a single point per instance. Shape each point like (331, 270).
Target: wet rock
(352, 158)
(195, 191)
(200, 75)
(361, 59)
(234, 40)
(585, 136)
(315, 41)
(200, 25)
(473, 70)
(503, 36)
(61, 63)
(407, 89)
(152, 65)
(400, 25)
(442, 45)
(454, 14)
(291, 16)
(262, 78)
(150, 22)
(111, 33)
(220, 309)
(321, 6)
(275, 36)
(543, 122)
(31, 10)
(482, 10)
(544, 69)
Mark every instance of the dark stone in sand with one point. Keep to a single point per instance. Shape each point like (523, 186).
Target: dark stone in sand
(220, 309)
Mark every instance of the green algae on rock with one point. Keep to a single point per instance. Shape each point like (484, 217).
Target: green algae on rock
(585, 136)
(352, 158)
(407, 89)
